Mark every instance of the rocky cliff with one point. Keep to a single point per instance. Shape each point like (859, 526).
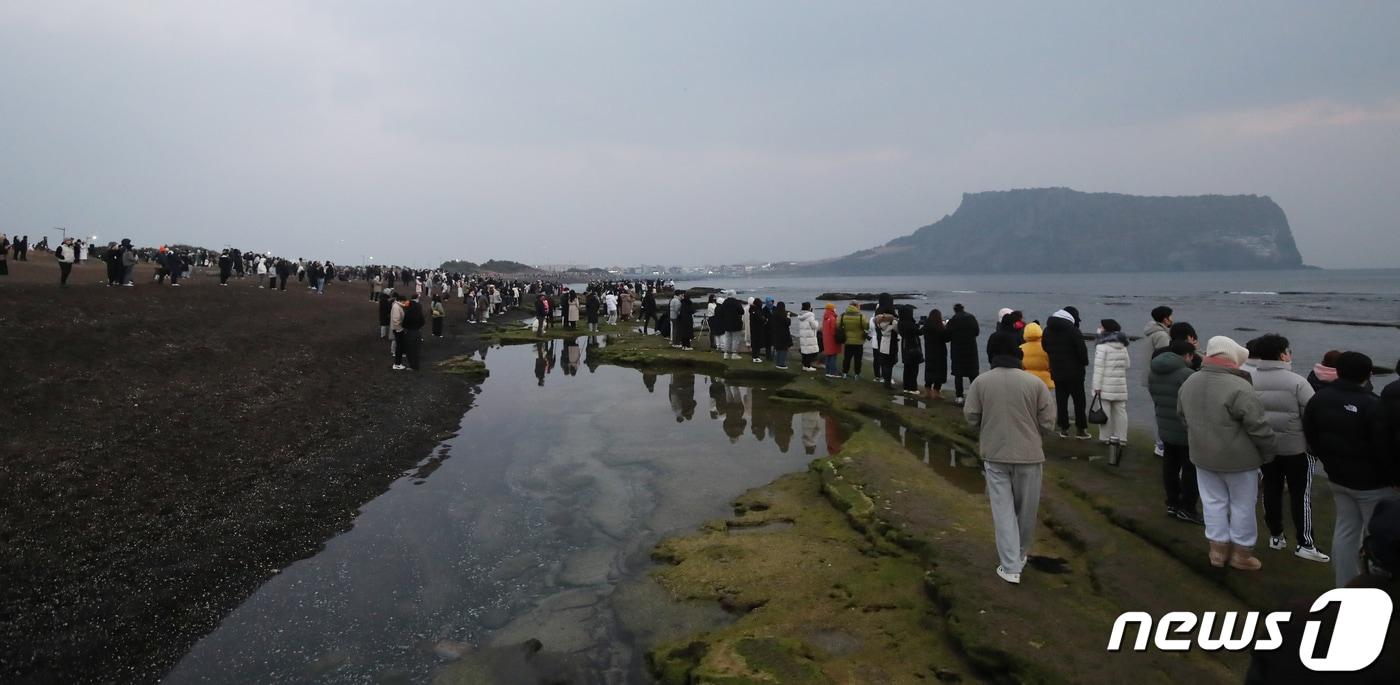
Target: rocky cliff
(1047, 230)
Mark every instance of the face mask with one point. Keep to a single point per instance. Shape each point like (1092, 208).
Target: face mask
(1100, 330)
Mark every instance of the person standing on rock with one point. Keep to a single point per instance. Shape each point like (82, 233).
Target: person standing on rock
(648, 311)
(610, 301)
(1010, 408)
(1285, 395)
(1230, 438)
(1170, 370)
(1111, 364)
(853, 325)
(225, 267)
(673, 310)
(1069, 357)
(1343, 426)
(591, 305)
(1157, 333)
(780, 331)
(758, 330)
(685, 323)
(439, 313)
(831, 348)
(935, 354)
(962, 331)
(127, 257)
(805, 330)
(407, 321)
(5, 263)
(910, 349)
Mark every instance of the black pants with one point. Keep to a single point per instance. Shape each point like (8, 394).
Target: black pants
(1064, 392)
(958, 383)
(911, 375)
(64, 268)
(1295, 471)
(223, 276)
(807, 359)
(437, 326)
(281, 282)
(1179, 477)
(407, 344)
(648, 321)
(685, 334)
(885, 365)
(855, 356)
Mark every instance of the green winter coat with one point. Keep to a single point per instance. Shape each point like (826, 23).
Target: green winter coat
(1168, 372)
(1226, 425)
(854, 323)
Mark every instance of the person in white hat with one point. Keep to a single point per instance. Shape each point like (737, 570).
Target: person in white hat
(1230, 439)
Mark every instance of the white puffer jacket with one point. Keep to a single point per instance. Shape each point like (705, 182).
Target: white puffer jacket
(1111, 364)
(805, 328)
(1283, 394)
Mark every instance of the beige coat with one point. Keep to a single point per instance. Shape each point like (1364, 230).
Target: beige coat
(1225, 422)
(1011, 407)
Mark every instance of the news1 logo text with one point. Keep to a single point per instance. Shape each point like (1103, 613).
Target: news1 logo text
(1348, 639)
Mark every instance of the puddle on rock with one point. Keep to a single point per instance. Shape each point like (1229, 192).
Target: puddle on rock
(518, 550)
(962, 469)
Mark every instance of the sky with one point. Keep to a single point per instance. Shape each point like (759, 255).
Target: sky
(618, 133)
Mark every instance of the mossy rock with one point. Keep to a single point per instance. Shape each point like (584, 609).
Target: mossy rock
(466, 367)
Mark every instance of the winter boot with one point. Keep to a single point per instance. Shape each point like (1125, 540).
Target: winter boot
(1219, 552)
(1243, 558)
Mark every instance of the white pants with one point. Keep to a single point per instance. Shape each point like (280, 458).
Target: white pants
(1013, 490)
(1117, 426)
(1228, 502)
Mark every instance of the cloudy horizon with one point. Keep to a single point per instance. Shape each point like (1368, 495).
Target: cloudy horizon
(630, 132)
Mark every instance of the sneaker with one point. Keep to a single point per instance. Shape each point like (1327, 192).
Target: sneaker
(1158, 450)
(1190, 516)
(832, 375)
(783, 368)
(174, 285)
(1013, 578)
(959, 401)
(1311, 554)
(398, 367)
(1064, 433)
(688, 349)
(1278, 542)
(1083, 434)
(1172, 512)
(756, 360)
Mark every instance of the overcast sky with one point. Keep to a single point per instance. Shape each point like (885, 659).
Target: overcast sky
(666, 132)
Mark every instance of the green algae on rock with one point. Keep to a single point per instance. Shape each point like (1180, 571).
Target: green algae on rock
(465, 366)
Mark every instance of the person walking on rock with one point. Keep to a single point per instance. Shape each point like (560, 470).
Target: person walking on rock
(962, 332)
(1010, 408)
(65, 255)
(1230, 438)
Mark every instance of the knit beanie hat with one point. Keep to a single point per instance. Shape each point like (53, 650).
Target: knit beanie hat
(1222, 346)
(1003, 312)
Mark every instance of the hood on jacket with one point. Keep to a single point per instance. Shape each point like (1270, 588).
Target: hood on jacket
(1112, 337)
(1063, 314)
(1167, 363)
(1153, 327)
(852, 308)
(1033, 332)
(1326, 374)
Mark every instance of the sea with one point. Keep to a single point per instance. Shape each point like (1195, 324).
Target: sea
(1238, 304)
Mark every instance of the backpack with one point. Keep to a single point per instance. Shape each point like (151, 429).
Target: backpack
(841, 330)
(413, 316)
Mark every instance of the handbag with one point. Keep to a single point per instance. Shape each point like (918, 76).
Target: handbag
(1097, 415)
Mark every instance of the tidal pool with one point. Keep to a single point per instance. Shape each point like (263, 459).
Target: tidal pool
(533, 523)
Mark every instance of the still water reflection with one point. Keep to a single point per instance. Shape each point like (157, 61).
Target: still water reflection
(533, 523)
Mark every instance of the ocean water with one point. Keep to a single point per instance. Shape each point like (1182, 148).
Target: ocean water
(1239, 304)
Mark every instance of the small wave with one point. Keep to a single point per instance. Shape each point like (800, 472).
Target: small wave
(1250, 292)
(964, 292)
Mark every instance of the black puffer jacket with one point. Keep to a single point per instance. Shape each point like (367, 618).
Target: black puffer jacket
(1344, 429)
(1069, 354)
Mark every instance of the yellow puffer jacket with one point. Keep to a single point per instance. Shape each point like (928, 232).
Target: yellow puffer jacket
(1033, 357)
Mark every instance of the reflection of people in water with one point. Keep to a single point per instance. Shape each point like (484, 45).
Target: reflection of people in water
(760, 411)
(811, 430)
(571, 356)
(682, 396)
(541, 366)
(834, 440)
(716, 395)
(589, 360)
(733, 411)
(781, 425)
(649, 380)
